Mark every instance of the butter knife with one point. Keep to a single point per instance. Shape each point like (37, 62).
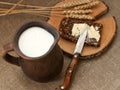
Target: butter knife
(73, 64)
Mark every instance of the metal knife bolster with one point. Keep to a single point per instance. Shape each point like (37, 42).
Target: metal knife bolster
(76, 54)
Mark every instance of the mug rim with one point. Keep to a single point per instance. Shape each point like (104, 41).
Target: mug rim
(49, 28)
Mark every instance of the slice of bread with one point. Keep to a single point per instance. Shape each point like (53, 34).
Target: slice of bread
(66, 27)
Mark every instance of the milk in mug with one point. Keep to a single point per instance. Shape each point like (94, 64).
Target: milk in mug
(35, 42)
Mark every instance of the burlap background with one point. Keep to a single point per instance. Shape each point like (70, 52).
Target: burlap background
(101, 73)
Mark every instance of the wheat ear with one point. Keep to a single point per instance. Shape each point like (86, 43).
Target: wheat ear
(88, 5)
(68, 4)
(77, 11)
(88, 17)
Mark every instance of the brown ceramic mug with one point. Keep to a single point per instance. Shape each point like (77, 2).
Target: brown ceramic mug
(43, 68)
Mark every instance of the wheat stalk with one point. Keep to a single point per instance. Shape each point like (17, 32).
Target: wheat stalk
(31, 6)
(88, 5)
(21, 5)
(46, 14)
(31, 11)
(13, 7)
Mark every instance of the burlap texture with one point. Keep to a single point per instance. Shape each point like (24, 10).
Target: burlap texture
(101, 73)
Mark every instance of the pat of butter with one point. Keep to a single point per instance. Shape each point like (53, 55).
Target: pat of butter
(78, 29)
(93, 33)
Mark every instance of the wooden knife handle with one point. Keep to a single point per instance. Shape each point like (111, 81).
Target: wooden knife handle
(69, 72)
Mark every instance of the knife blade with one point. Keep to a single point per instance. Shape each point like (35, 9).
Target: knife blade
(80, 42)
(73, 63)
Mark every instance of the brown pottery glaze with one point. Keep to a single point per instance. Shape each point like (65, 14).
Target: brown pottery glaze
(43, 68)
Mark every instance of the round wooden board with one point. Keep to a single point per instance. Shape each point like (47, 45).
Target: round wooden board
(107, 34)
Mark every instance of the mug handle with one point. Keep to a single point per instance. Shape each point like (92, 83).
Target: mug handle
(9, 58)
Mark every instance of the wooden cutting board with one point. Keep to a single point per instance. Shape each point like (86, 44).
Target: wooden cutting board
(107, 34)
